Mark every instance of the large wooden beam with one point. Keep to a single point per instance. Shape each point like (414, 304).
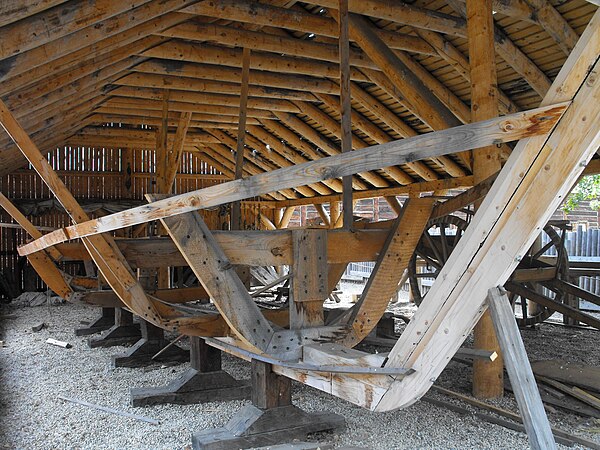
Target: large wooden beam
(16, 64)
(508, 128)
(65, 19)
(210, 54)
(393, 260)
(11, 12)
(488, 376)
(345, 108)
(264, 41)
(206, 98)
(224, 72)
(216, 87)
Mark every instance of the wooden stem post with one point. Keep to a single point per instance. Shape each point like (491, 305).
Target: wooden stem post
(487, 376)
(346, 107)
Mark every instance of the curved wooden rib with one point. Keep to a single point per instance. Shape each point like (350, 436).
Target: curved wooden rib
(393, 260)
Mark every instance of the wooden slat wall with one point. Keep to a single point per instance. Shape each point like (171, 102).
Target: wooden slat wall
(92, 174)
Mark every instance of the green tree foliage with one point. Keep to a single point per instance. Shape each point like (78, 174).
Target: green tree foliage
(587, 189)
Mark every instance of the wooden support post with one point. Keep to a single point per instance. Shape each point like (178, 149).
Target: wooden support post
(271, 419)
(287, 216)
(309, 281)
(102, 323)
(144, 351)
(123, 332)
(519, 371)
(236, 213)
(204, 381)
(346, 108)
(487, 375)
(334, 213)
(127, 172)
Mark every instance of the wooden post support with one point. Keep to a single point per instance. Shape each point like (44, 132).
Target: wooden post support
(487, 375)
(309, 282)
(102, 323)
(346, 108)
(271, 419)
(124, 331)
(203, 382)
(236, 212)
(519, 371)
(144, 351)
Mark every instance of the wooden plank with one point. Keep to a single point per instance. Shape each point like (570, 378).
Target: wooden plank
(519, 370)
(587, 377)
(64, 19)
(393, 260)
(309, 281)
(573, 391)
(505, 129)
(11, 12)
(510, 218)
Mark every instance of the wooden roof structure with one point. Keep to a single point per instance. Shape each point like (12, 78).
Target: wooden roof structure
(297, 102)
(111, 62)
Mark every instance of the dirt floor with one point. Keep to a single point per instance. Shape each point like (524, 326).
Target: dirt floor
(33, 374)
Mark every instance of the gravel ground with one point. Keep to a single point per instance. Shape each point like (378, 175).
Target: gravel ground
(33, 374)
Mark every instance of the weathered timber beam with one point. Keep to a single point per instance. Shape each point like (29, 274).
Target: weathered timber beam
(201, 85)
(268, 104)
(16, 64)
(210, 54)
(505, 129)
(460, 63)
(199, 118)
(34, 73)
(177, 106)
(554, 23)
(293, 46)
(224, 72)
(55, 81)
(11, 12)
(65, 19)
(418, 98)
(513, 55)
(393, 260)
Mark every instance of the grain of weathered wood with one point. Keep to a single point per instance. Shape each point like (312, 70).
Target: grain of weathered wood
(519, 370)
